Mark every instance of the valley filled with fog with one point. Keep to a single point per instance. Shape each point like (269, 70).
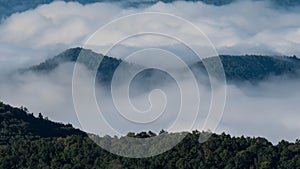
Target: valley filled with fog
(269, 107)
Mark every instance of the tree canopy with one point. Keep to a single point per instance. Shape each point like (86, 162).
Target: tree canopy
(34, 142)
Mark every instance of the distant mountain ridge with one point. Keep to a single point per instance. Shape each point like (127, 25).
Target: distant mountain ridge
(254, 68)
(243, 68)
(69, 55)
(105, 70)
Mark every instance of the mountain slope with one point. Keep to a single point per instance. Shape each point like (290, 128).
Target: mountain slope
(29, 142)
(17, 123)
(254, 68)
(105, 70)
(247, 68)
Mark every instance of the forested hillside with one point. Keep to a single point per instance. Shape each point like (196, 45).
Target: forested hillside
(254, 68)
(240, 68)
(19, 124)
(105, 70)
(40, 143)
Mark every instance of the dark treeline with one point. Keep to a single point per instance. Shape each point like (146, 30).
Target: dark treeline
(26, 145)
(220, 151)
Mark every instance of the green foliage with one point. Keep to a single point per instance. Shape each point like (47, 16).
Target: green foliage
(18, 123)
(24, 144)
(220, 151)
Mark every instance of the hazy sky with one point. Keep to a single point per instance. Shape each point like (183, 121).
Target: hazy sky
(239, 28)
(270, 109)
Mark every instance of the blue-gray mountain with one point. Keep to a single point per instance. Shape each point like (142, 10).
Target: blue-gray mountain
(244, 68)
(8, 7)
(255, 68)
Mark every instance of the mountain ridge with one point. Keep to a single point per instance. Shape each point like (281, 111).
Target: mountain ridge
(19, 123)
(237, 68)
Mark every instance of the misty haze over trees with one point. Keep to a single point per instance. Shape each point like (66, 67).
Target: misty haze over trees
(257, 42)
(31, 142)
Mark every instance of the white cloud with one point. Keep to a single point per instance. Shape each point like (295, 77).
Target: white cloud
(56, 23)
(269, 110)
(244, 27)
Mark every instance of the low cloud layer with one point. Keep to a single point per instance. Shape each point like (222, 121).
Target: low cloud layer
(239, 28)
(269, 109)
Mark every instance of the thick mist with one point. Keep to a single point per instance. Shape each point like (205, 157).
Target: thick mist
(243, 27)
(268, 109)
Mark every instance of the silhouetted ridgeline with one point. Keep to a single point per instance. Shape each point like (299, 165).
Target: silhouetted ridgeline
(254, 68)
(243, 68)
(34, 142)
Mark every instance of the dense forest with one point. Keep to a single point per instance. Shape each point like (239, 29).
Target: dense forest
(18, 124)
(254, 68)
(36, 142)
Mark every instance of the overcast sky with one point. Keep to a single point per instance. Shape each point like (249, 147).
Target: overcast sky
(238, 28)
